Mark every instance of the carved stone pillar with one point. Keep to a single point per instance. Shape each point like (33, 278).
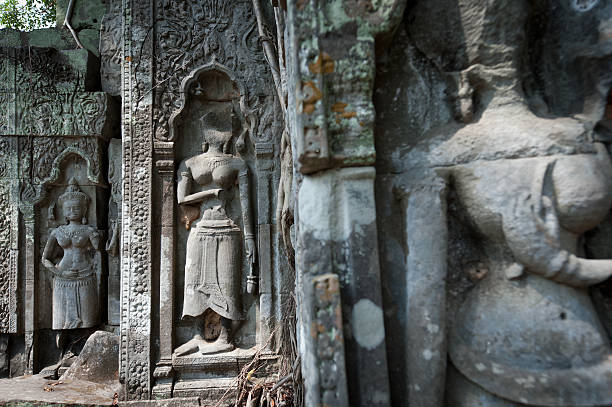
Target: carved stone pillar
(164, 375)
(265, 166)
(136, 240)
(31, 264)
(331, 119)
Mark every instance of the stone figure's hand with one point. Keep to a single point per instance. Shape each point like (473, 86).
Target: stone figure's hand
(531, 228)
(49, 264)
(251, 250)
(532, 231)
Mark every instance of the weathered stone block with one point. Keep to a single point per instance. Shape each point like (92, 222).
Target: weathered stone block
(98, 361)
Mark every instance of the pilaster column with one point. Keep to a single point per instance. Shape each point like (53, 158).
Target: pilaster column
(164, 164)
(331, 65)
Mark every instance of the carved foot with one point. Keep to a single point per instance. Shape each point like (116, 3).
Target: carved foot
(216, 347)
(191, 346)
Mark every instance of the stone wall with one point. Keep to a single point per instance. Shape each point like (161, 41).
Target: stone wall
(370, 202)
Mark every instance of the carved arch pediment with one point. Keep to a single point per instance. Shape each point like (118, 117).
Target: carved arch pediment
(54, 175)
(186, 85)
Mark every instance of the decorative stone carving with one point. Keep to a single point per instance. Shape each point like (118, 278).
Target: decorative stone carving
(505, 319)
(214, 247)
(75, 286)
(193, 34)
(136, 251)
(113, 243)
(47, 70)
(188, 38)
(110, 50)
(9, 283)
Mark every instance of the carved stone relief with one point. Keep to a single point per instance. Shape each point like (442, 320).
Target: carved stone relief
(507, 183)
(8, 261)
(216, 242)
(193, 34)
(189, 38)
(75, 284)
(113, 243)
(110, 50)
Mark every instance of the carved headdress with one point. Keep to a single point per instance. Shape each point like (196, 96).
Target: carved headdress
(73, 193)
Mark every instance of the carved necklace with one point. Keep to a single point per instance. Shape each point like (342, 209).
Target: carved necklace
(71, 233)
(218, 161)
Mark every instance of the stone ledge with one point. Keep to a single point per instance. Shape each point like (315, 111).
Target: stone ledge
(30, 390)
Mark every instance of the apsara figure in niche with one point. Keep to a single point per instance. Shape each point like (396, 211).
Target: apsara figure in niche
(213, 269)
(75, 284)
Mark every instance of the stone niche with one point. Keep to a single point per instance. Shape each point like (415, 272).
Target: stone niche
(210, 79)
(54, 126)
(213, 103)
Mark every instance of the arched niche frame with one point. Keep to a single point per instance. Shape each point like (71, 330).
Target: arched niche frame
(35, 194)
(165, 155)
(244, 114)
(31, 197)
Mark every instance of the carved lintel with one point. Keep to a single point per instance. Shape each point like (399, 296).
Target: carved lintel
(57, 114)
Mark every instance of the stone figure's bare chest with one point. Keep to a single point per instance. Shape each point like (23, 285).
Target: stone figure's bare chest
(76, 237)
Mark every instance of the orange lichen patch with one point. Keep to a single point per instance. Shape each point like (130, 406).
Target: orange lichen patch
(313, 330)
(309, 108)
(338, 107)
(348, 115)
(300, 4)
(311, 95)
(323, 64)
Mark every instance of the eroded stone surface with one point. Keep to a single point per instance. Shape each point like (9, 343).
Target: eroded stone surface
(98, 361)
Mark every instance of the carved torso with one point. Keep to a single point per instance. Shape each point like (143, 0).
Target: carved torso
(527, 324)
(215, 171)
(76, 244)
(213, 269)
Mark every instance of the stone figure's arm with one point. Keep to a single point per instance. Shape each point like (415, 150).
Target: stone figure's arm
(183, 188)
(245, 203)
(48, 252)
(113, 243)
(532, 231)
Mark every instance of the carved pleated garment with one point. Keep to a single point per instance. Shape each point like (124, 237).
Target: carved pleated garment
(213, 271)
(75, 302)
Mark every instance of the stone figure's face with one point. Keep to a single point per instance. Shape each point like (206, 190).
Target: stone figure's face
(74, 210)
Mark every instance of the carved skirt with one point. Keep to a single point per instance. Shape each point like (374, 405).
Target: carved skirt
(213, 271)
(75, 302)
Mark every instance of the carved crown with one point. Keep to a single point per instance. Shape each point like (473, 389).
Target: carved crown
(73, 193)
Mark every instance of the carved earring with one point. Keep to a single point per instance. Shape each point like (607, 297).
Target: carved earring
(84, 220)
